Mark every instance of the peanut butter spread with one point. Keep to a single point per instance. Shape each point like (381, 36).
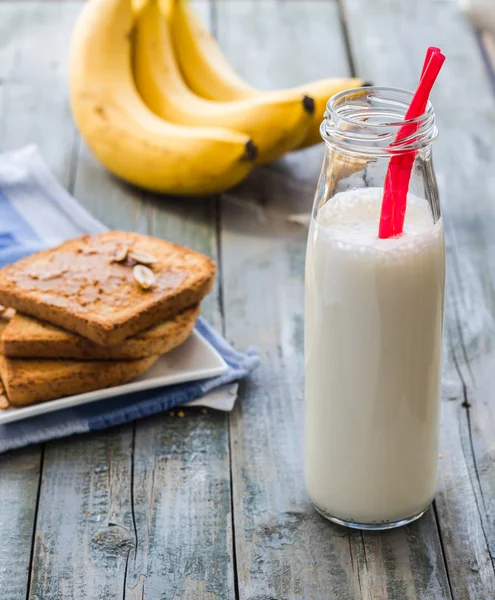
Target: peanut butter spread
(84, 275)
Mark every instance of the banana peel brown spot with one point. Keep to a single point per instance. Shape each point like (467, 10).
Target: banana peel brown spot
(100, 111)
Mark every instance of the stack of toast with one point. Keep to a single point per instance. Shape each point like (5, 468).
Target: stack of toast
(95, 312)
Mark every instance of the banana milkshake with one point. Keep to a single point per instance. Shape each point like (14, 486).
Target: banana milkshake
(374, 312)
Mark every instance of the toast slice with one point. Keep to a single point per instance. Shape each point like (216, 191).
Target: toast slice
(26, 337)
(29, 380)
(88, 285)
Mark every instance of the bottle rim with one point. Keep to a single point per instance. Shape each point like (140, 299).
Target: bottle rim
(366, 120)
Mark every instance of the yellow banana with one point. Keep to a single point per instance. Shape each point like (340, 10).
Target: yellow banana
(204, 66)
(275, 122)
(209, 74)
(321, 91)
(123, 132)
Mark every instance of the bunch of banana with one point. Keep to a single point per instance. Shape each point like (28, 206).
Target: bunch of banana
(159, 106)
(275, 121)
(208, 73)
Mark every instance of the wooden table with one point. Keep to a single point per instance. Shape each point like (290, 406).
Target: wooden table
(210, 507)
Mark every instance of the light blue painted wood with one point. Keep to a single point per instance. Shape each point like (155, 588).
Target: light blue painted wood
(33, 109)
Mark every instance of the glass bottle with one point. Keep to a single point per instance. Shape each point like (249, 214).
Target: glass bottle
(374, 312)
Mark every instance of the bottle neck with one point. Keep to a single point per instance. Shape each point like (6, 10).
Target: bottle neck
(370, 122)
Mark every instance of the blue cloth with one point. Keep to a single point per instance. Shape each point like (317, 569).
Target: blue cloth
(36, 212)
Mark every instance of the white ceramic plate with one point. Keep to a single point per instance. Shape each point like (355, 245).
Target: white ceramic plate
(193, 360)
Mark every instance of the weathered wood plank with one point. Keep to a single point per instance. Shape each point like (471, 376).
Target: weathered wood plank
(182, 509)
(119, 513)
(405, 563)
(32, 110)
(19, 480)
(84, 533)
(465, 167)
(146, 511)
(33, 82)
(283, 549)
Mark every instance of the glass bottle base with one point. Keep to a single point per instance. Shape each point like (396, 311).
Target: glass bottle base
(379, 526)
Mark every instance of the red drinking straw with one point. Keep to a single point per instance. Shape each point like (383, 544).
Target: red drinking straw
(407, 160)
(431, 50)
(403, 167)
(399, 170)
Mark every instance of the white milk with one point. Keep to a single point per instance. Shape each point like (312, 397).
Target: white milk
(373, 351)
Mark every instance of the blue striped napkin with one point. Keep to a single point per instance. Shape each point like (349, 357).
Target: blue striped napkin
(37, 212)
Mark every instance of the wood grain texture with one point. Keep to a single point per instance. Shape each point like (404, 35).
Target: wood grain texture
(182, 509)
(19, 480)
(405, 563)
(283, 548)
(145, 511)
(465, 164)
(33, 109)
(33, 80)
(84, 533)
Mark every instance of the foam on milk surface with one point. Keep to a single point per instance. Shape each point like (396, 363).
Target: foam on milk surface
(351, 219)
